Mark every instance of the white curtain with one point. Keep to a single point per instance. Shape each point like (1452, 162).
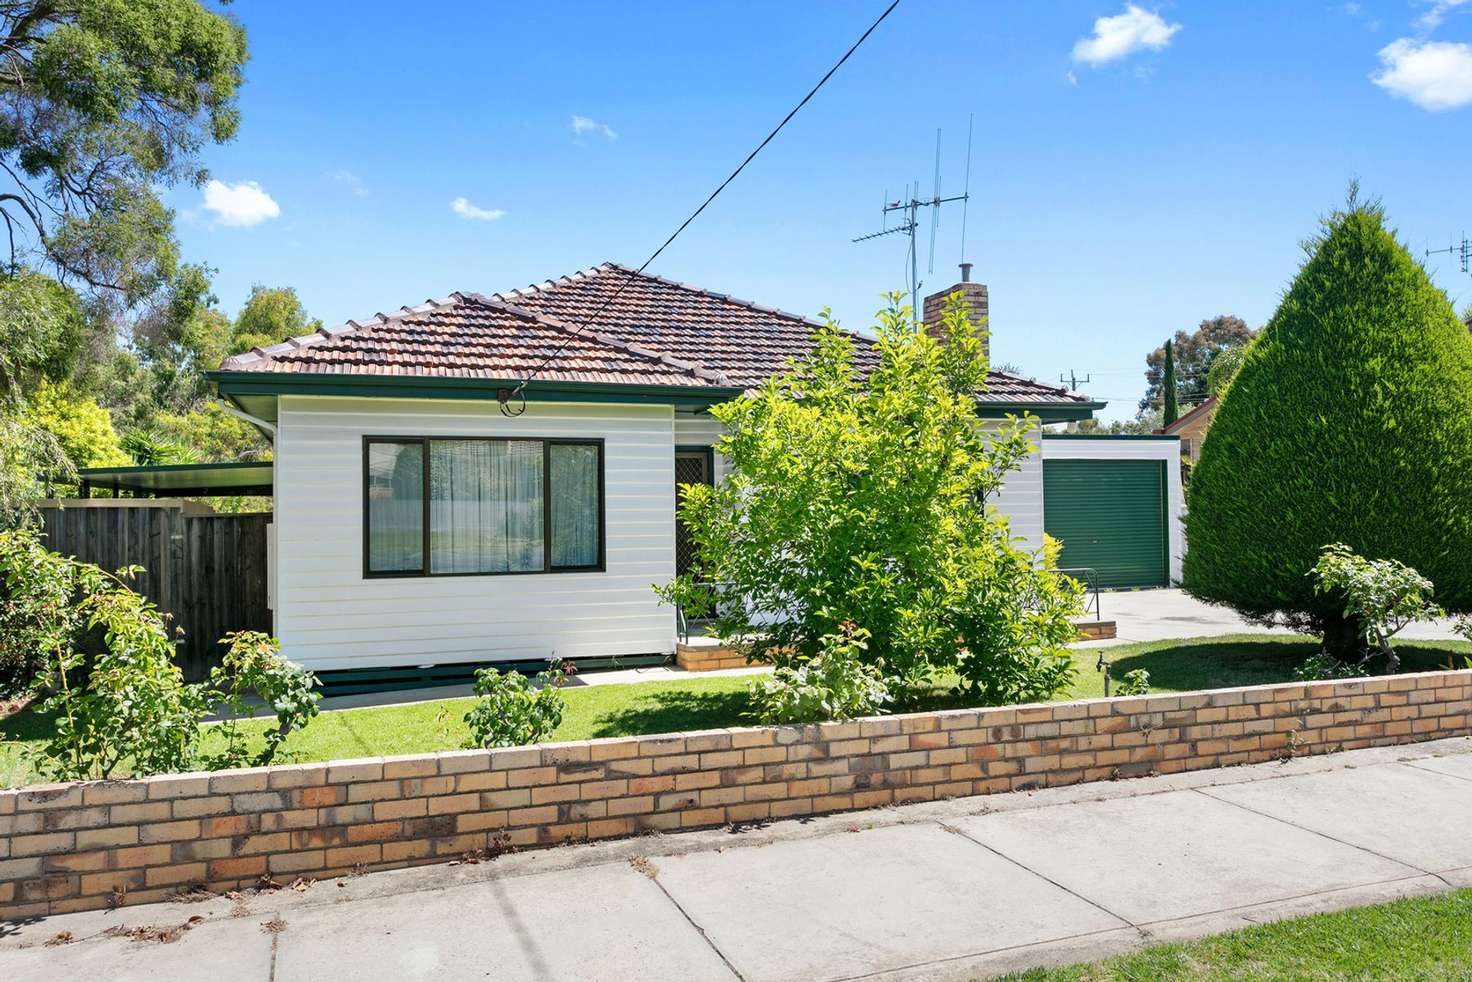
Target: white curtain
(485, 506)
(395, 507)
(574, 483)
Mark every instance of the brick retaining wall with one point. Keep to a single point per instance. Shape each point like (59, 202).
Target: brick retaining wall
(79, 846)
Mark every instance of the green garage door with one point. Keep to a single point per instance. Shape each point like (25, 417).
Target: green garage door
(1110, 515)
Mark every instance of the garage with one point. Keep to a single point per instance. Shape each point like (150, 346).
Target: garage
(1111, 512)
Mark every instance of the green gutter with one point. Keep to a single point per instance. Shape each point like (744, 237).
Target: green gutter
(231, 384)
(1112, 436)
(1048, 412)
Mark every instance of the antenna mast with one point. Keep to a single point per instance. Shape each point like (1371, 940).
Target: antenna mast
(1462, 250)
(909, 212)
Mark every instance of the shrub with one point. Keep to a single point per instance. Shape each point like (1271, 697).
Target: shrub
(1382, 595)
(130, 702)
(837, 684)
(512, 711)
(1135, 682)
(37, 617)
(253, 663)
(1320, 667)
(862, 497)
(1349, 421)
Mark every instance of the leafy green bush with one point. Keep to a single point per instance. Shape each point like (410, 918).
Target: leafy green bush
(82, 427)
(512, 711)
(129, 702)
(253, 663)
(1320, 667)
(864, 497)
(1135, 682)
(1349, 421)
(37, 617)
(127, 705)
(1381, 595)
(837, 684)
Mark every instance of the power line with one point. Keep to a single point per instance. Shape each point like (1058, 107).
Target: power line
(521, 388)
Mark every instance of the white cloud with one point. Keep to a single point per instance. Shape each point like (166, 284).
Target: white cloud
(1071, 78)
(1124, 34)
(350, 181)
(239, 204)
(462, 207)
(1435, 75)
(1432, 18)
(582, 124)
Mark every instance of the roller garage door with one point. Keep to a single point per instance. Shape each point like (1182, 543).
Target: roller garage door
(1110, 516)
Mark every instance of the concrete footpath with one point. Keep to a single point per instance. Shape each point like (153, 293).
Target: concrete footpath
(961, 889)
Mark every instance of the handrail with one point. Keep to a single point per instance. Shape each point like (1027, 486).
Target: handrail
(1090, 580)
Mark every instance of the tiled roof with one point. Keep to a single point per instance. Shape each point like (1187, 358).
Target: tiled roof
(744, 341)
(470, 336)
(653, 332)
(1206, 406)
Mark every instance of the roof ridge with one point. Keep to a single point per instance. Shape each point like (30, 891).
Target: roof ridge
(691, 368)
(350, 326)
(692, 288)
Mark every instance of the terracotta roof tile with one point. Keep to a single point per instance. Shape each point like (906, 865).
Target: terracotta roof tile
(648, 330)
(744, 341)
(470, 336)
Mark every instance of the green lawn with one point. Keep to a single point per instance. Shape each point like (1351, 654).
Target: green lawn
(703, 703)
(1421, 938)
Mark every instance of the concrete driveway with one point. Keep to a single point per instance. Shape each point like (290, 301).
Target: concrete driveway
(948, 890)
(1156, 615)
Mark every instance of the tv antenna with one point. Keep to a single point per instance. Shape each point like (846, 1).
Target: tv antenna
(909, 209)
(1462, 250)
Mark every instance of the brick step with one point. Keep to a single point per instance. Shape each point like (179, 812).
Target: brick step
(1095, 630)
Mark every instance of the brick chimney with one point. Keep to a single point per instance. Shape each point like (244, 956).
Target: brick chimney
(974, 296)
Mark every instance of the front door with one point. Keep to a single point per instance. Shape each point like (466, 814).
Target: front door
(692, 466)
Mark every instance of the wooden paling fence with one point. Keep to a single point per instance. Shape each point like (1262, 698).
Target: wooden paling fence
(207, 571)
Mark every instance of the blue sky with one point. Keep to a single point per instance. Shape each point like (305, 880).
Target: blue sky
(1135, 168)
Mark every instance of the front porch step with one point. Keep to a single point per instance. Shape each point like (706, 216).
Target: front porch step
(1095, 630)
(707, 655)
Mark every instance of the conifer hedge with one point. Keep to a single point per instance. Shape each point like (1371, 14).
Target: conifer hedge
(1350, 421)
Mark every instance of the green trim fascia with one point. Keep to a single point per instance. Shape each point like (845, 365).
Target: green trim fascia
(88, 472)
(417, 387)
(1112, 436)
(1047, 412)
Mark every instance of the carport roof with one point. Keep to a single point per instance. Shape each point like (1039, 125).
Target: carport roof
(175, 480)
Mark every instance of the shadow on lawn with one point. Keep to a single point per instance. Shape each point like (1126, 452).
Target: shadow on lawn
(1220, 664)
(669, 710)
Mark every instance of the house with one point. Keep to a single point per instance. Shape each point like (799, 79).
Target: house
(1191, 428)
(420, 521)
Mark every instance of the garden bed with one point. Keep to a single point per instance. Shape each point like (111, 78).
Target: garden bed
(670, 706)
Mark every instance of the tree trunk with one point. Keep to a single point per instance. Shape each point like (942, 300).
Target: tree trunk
(1344, 638)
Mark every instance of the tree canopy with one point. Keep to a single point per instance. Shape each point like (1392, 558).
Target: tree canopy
(101, 103)
(1193, 354)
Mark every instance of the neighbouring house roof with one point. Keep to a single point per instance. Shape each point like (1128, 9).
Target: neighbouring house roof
(1187, 419)
(653, 332)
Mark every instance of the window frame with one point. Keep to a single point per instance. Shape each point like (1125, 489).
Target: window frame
(547, 442)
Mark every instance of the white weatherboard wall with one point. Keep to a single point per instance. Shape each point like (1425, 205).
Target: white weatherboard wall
(1021, 496)
(1165, 448)
(329, 616)
(1020, 499)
